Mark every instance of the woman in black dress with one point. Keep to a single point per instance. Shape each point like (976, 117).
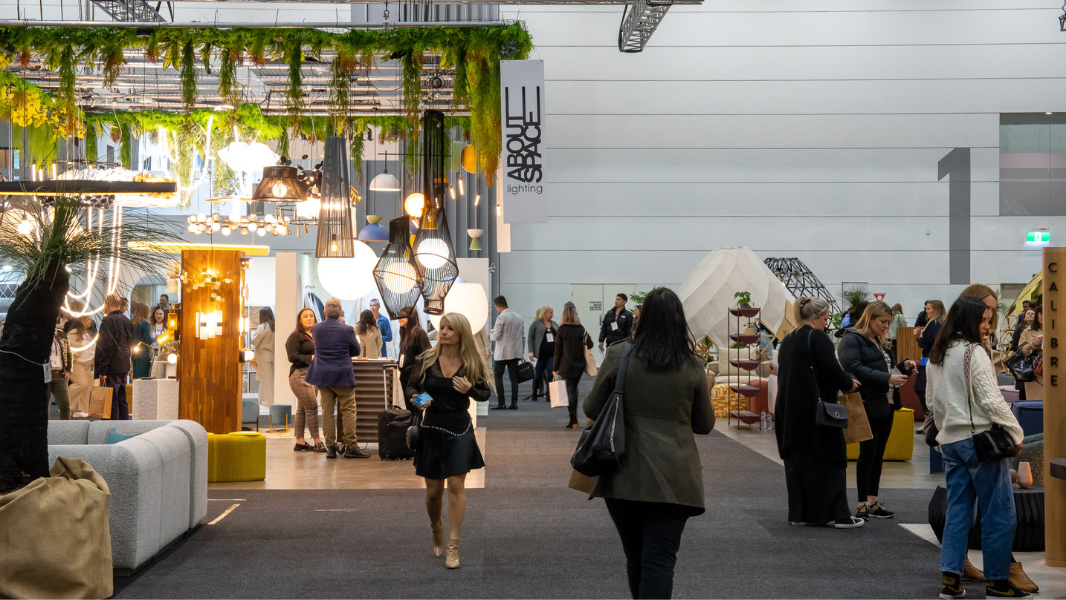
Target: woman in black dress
(452, 373)
(816, 460)
(934, 312)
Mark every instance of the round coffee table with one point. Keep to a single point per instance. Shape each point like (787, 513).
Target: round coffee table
(1028, 504)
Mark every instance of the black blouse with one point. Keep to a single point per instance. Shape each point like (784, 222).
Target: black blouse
(300, 349)
(450, 407)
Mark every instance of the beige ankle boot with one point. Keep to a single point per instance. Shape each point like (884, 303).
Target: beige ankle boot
(438, 537)
(972, 573)
(452, 560)
(1020, 580)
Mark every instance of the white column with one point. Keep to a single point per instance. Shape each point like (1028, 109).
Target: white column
(287, 293)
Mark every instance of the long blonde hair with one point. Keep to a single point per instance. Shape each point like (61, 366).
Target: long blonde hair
(873, 311)
(473, 366)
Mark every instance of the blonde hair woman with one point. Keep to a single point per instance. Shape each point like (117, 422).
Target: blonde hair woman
(569, 359)
(863, 355)
(934, 313)
(542, 334)
(451, 373)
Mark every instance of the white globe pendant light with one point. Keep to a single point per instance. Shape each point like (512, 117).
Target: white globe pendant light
(349, 278)
(469, 300)
(400, 277)
(432, 253)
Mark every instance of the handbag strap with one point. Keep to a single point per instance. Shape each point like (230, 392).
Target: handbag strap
(810, 359)
(966, 370)
(620, 377)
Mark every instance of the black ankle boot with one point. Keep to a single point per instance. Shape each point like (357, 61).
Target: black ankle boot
(536, 388)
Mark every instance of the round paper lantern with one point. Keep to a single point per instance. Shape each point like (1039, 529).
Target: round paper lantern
(400, 277)
(414, 204)
(469, 300)
(349, 278)
(469, 159)
(432, 253)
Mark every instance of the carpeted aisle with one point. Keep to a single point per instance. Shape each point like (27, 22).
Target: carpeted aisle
(528, 536)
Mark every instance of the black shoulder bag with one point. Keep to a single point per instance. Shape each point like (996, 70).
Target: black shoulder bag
(829, 414)
(603, 443)
(1022, 366)
(994, 444)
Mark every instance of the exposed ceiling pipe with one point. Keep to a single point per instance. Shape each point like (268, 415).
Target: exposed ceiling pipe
(152, 24)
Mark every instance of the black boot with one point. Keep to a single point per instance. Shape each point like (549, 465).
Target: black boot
(952, 586)
(536, 388)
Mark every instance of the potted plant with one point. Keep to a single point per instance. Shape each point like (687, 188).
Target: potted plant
(743, 299)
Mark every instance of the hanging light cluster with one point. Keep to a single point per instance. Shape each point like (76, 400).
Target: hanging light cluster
(217, 223)
(207, 278)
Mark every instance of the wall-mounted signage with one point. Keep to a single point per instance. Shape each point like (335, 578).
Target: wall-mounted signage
(1042, 236)
(522, 185)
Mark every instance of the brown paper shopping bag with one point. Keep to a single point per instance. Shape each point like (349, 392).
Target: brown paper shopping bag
(100, 402)
(858, 429)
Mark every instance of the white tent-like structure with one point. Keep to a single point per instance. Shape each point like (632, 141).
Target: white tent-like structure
(707, 293)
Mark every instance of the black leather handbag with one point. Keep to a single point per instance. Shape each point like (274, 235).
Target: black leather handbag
(525, 371)
(603, 443)
(991, 445)
(1023, 366)
(829, 414)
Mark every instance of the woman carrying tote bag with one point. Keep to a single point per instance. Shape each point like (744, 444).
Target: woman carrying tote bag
(967, 402)
(570, 357)
(658, 484)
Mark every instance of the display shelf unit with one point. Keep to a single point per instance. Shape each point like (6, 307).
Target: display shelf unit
(748, 364)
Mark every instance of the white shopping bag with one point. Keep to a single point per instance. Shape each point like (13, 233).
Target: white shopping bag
(557, 393)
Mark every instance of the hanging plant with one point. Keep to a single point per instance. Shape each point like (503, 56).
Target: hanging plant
(341, 70)
(126, 146)
(412, 83)
(228, 87)
(188, 76)
(113, 61)
(92, 143)
(357, 127)
(294, 96)
(283, 143)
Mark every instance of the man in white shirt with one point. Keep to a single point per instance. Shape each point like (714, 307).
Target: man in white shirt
(510, 337)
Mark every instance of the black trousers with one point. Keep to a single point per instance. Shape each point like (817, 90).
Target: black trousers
(512, 372)
(575, 400)
(871, 456)
(651, 536)
(120, 410)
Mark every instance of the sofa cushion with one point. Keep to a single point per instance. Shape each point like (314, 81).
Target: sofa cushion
(114, 437)
(68, 433)
(98, 430)
(197, 436)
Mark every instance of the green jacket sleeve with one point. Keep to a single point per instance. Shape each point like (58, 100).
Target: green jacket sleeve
(702, 411)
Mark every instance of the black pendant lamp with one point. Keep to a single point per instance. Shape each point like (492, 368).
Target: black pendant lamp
(433, 242)
(397, 273)
(335, 238)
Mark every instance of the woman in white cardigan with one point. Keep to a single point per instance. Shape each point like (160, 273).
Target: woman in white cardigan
(965, 400)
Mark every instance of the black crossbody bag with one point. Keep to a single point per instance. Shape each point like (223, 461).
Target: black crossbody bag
(829, 414)
(994, 444)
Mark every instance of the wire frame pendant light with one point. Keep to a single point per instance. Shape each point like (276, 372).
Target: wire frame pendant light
(335, 213)
(396, 272)
(433, 242)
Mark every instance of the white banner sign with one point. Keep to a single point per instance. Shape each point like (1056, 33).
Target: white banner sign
(522, 162)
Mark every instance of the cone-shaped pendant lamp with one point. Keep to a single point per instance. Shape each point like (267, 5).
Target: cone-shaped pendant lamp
(433, 242)
(335, 213)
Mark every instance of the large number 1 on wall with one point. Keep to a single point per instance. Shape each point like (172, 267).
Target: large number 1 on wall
(956, 166)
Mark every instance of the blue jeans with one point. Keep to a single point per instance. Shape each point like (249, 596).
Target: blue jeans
(987, 483)
(542, 370)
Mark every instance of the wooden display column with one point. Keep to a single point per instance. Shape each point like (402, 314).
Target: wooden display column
(210, 369)
(1054, 404)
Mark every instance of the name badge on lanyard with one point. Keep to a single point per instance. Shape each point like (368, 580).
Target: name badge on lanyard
(56, 358)
(614, 326)
(548, 336)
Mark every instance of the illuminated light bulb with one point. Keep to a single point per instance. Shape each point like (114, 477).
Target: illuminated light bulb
(33, 171)
(202, 218)
(192, 228)
(270, 219)
(279, 190)
(226, 231)
(461, 192)
(262, 231)
(244, 231)
(432, 253)
(414, 204)
(216, 217)
(172, 359)
(216, 227)
(201, 228)
(252, 217)
(192, 219)
(499, 210)
(477, 199)
(273, 232)
(25, 228)
(451, 190)
(136, 349)
(400, 277)
(333, 244)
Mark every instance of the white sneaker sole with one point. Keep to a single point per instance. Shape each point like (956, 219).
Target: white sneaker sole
(950, 597)
(855, 524)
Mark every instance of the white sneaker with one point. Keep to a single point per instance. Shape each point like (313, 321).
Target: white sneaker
(79, 415)
(855, 523)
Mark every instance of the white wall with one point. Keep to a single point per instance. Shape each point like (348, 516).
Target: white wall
(809, 129)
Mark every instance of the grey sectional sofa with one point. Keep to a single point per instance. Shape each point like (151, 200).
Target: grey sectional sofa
(158, 480)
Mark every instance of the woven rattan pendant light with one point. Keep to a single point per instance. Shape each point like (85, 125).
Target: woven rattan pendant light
(335, 214)
(433, 242)
(396, 273)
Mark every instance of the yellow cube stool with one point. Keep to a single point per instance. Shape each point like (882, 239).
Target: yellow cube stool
(238, 456)
(900, 441)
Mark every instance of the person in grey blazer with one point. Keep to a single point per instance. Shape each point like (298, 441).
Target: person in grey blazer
(509, 335)
(331, 371)
(658, 484)
(542, 334)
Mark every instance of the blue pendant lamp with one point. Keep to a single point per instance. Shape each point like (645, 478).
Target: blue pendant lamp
(373, 231)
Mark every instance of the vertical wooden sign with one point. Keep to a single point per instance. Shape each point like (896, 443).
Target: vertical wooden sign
(209, 369)
(1054, 405)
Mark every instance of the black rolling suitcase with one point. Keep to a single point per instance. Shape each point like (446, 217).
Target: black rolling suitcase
(393, 424)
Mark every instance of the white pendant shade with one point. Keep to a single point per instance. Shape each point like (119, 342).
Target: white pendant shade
(432, 253)
(248, 158)
(349, 278)
(385, 182)
(400, 277)
(469, 300)
(707, 293)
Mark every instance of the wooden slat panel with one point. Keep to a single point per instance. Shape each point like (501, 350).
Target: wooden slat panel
(1054, 407)
(209, 370)
(906, 345)
(373, 388)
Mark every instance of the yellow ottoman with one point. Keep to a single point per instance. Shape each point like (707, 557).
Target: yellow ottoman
(900, 442)
(238, 456)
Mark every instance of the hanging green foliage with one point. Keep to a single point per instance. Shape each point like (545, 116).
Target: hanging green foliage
(294, 96)
(188, 75)
(341, 70)
(126, 146)
(92, 144)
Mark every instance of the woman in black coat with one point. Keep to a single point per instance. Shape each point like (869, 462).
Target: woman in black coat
(934, 312)
(863, 353)
(569, 360)
(413, 342)
(815, 456)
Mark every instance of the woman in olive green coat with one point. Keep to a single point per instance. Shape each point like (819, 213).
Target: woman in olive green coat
(659, 482)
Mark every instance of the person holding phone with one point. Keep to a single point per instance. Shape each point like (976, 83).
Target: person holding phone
(864, 355)
(443, 382)
(934, 312)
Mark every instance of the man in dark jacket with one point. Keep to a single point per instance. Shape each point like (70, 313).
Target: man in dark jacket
(616, 323)
(113, 355)
(331, 370)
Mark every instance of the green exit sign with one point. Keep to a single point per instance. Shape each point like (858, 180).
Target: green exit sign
(1038, 236)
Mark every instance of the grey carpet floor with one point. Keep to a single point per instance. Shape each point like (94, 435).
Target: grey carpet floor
(527, 536)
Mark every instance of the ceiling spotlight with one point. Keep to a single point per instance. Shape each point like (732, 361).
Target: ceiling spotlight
(436, 82)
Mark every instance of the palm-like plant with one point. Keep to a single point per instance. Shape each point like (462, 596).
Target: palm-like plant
(41, 248)
(854, 296)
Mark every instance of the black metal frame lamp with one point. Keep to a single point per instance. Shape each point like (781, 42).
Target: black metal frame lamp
(433, 242)
(335, 238)
(396, 272)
